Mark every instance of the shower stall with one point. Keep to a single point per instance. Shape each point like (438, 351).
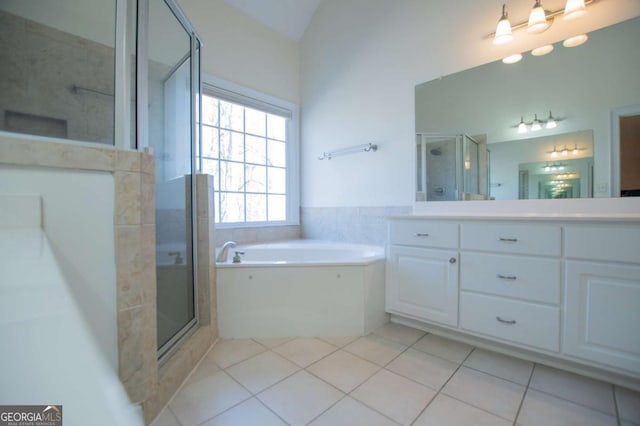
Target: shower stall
(172, 75)
(450, 168)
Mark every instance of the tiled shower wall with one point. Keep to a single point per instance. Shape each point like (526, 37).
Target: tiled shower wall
(40, 68)
(364, 225)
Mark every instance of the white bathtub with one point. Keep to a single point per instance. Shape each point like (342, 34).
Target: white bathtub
(301, 288)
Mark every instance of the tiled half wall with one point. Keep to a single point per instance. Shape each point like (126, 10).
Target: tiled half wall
(147, 383)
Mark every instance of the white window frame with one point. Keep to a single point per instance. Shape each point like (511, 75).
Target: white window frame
(253, 99)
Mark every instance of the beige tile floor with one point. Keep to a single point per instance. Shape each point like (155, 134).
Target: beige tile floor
(397, 375)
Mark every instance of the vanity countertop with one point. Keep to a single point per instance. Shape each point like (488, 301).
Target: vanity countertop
(577, 217)
(587, 210)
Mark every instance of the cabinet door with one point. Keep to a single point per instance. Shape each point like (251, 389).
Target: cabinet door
(602, 313)
(423, 283)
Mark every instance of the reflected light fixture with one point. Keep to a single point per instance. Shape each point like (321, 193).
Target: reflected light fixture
(551, 122)
(503, 30)
(574, 9)
(512, 59)
(542, 50)
(537, 124)
(554, 153)
(575, 40)
(565, 151)
(575, 150)
(522, 127)
(537, 19)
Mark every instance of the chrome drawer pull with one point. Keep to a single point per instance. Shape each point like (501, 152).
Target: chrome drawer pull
(421, 235)
(510, 322)
(507, 277)
(508, 240)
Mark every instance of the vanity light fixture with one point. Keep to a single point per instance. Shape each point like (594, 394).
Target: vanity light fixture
(575, 40)
(542, 50)
(554, 153)
(503, 32)
(564, 152)
(551, 122)
(537, 19)
(574, 9)
(575, 150)
(512, 59)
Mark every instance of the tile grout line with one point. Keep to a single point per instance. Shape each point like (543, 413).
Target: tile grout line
(524, 395)
(443, 386)
(615, 405)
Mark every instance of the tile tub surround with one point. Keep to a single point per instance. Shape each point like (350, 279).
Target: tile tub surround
(364, 225)
(134, 228)
(380, 379)
(254, 235)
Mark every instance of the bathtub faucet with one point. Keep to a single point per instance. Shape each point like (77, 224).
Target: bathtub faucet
(224, 251)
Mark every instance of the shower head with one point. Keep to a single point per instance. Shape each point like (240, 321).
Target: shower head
(436, 151)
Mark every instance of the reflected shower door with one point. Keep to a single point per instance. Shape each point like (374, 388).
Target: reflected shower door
(440, 164)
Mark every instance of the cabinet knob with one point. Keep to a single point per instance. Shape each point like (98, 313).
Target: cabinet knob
(421, 234)
(508, 240)
(453, 260)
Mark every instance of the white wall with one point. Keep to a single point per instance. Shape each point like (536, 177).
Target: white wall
(239, 49)
(77, 212)
(360, 61)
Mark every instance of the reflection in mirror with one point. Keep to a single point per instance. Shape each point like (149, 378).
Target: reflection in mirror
(517, 167)
(451, 168)
(57, 72)
(582, 87)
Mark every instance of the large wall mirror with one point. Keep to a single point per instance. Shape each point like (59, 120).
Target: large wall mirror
(586, 89)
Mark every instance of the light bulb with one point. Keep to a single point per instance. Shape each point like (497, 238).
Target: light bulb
(575, 40)
(574, 9)
(551, 122)
(542, 50)
(503, 30)
(536, 124)
(512, 59)
(537, 19)
(522, 127)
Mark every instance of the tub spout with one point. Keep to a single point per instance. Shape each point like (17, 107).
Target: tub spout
(224, 251)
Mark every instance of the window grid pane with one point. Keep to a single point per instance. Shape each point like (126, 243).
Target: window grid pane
(249, 169)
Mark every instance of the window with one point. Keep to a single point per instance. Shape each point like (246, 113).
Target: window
(247, 147)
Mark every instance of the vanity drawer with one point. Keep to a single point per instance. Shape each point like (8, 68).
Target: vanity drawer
(612, 243)
(424, 233)
(531, 278)
(522, 322)
(543, 240)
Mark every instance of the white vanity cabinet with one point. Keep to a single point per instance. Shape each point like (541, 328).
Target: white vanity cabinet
(602, 305)
(422, 270)
(510, 282)
(565, 289)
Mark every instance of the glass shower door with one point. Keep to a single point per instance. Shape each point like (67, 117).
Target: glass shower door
(172, 90)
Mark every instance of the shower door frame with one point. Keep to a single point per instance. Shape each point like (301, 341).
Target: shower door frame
(142, 73)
